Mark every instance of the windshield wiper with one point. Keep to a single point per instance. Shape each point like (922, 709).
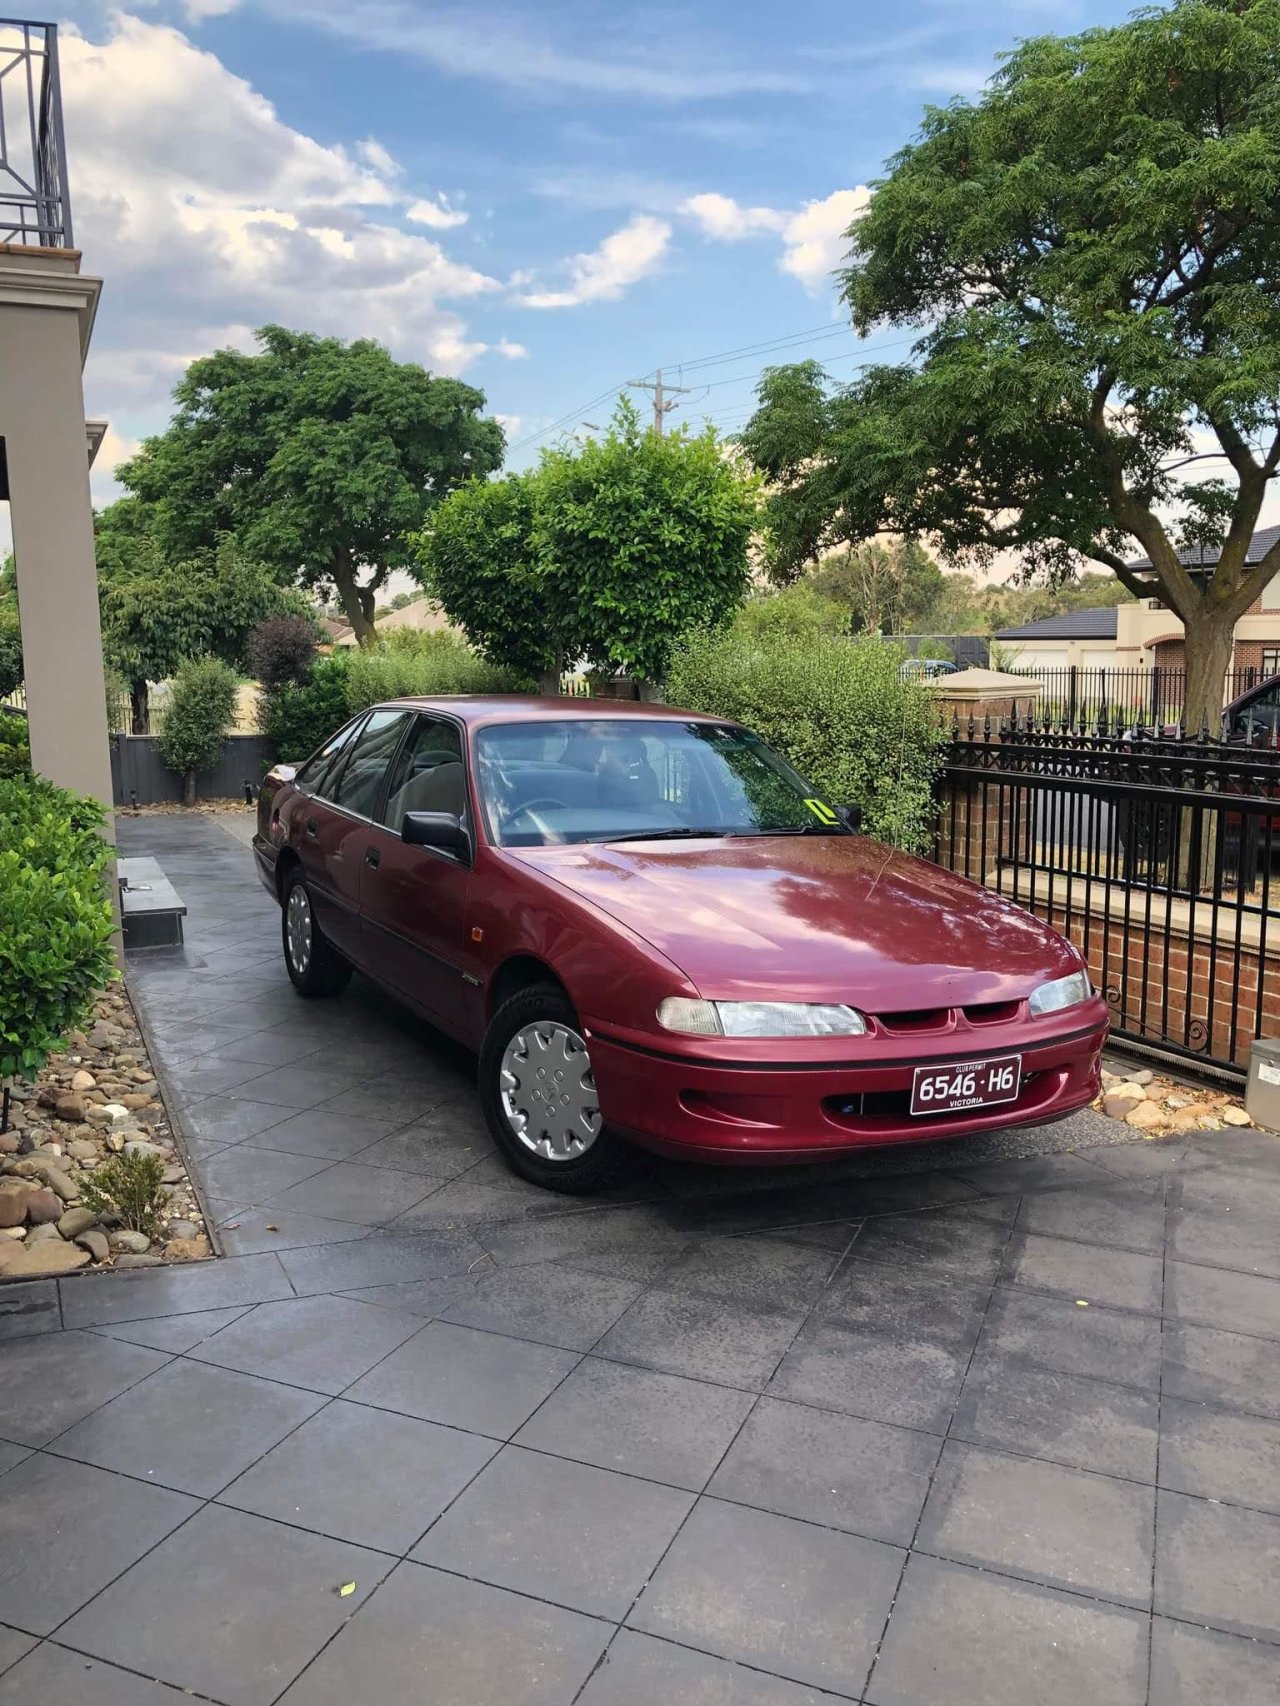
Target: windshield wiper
(672, 835)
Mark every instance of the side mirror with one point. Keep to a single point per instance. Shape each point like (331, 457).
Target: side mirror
(850, 816)
(442, 830)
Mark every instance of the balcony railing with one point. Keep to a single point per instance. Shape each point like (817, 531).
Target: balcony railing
(35, 208)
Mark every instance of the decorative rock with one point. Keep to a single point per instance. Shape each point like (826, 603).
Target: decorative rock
(139, 1261)
(183, 1229)
(134, 1100)
(37, 1261)
(75, 1221)
(102, 1035)
(1234, 1116)
(83, 1080)
(1117, 1106)
(1148, 1117)
(60, 1183)
(174, 1175)
(140, 1146)
(1143, 1077)
(13, 1203)
(47, 1233)
(8, 1143)
(70, 1107)
(82, 1149)
(43, 1207)
(95, 1243)
(187, 1249)
(14, 1232)
(130, 1243)
(115, 1141)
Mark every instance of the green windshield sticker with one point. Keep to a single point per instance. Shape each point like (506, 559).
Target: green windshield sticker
(822, 811)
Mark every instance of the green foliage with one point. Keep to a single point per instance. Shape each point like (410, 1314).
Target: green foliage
(795, 612)
(321, 457)
(298, 718)
(409, 662)
(10, 631)
(281, 650)
(200, 711)
(606, 554)
(129, 1188)
(15, 746)
(55, 919)
(836, 708)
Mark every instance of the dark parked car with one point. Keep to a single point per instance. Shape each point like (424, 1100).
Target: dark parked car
(652, 929)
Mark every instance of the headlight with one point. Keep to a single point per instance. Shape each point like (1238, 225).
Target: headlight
(1062, 992)
(758, 1018)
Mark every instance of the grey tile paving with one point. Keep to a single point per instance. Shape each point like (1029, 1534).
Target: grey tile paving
(28, 1307)
(274, 1590)
(188, 1427)
(219, 1119)
(1123, 1279)
(323, 1343)
(1041, 1412)
(709, 1338)
(303, 1086)
(1234, 1369)
(658, 1425)
(381, 1260)
(836, 1470)
(1212, 1297)
(12, 1454)
(252, 1230)
(957, 1240)
(249, 1175)
(756, 1270)
(94, 1300)
(175, 1333)
(1124, 1219)
(641, 1671)
(1190, 1667)
(56, 1379)
(69, 1532)
(916, 1302)
(1107, 1344)
(53, 1676)
(576, 1535)
(13, 1644)
(477, 1644)
(1058, 1526)
(422, 1148)
(362, 1475)
(1220, 1455)
(1217, 1565)
(1228, 1236)
(332, 1137)
(553, 1305)
(967, 1636)
(465, 1378)
(269, 1047)
(369, 1196)
(802, 1602)
(399, 1100)
(912, 1382)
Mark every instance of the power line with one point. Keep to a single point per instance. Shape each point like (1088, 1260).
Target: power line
(662, 402)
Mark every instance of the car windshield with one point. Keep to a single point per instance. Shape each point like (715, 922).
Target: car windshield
(615, 779)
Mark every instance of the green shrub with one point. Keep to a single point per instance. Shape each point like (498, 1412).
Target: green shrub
(201, 709)
(298, 718)
(55, 919)
(15, 746)
(798, 612)
(836, 708)
(129, 1188)
(411, 662)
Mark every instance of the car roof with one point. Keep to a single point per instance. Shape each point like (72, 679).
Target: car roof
(476, 710)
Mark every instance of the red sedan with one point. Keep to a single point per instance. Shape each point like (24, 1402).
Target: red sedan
(652, 929)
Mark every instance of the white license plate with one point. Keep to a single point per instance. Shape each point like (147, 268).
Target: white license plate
(966, 1084)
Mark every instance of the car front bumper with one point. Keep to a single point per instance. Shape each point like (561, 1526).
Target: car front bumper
(776, 1111)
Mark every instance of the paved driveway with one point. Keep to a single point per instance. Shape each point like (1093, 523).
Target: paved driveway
(1004, 1428)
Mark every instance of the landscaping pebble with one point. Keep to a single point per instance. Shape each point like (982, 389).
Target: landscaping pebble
(1159, 1106)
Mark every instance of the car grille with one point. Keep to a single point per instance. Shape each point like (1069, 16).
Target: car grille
(922, 1021)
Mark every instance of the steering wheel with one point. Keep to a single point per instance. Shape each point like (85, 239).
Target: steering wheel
(531, 806)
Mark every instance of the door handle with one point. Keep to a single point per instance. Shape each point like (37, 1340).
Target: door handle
(372, 858)
(313, 828)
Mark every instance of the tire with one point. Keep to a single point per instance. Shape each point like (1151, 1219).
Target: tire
(593, 1155)
(315, 967)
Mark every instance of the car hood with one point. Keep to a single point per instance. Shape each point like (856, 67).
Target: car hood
(814, 918)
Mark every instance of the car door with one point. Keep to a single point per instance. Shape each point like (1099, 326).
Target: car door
(413, 900)
(337, 827)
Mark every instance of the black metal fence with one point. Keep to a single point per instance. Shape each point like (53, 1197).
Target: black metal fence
(1156, 856)
(1151, 697)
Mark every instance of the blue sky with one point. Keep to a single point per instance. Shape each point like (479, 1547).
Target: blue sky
(549, 200)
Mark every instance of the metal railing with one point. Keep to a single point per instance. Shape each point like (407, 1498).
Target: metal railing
(1140, 695)
(1155, 856)
(35, 208)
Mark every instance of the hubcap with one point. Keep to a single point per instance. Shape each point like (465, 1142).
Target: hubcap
(548, 1092)
(298, 927)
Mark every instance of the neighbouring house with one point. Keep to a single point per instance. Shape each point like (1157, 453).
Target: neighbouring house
(1146, 634)
(424, 614)
(338, 633)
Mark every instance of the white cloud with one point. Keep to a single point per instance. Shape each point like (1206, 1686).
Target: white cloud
(510, 424)
(622, 259)
(512, 351)
(437, 214)
(726, 221)
(209, 215)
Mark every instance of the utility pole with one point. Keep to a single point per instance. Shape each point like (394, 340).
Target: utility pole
(664, 398)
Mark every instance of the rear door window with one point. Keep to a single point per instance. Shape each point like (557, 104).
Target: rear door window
(319, 772)
(358, 786)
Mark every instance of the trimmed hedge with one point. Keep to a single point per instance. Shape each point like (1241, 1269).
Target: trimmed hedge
(411, 662)
(55, 919)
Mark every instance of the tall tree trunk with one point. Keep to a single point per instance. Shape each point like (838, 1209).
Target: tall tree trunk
(549, 680)
(189, 789)
(1210, 638)
(139, 707)
(357, 602)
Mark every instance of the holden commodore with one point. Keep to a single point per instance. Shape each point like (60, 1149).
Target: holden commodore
(653, 931)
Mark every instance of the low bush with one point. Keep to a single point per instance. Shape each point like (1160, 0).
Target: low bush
(836, 708)
(411, 662)
(127, 1188)
(298, 717)
(15, 746)
(55, 919)
(201, 709)
(281, 651)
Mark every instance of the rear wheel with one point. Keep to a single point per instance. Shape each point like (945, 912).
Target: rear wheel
(315, 968)
(539, 1096)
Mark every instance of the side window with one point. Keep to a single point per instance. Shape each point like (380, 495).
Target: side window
(1259, 715)
(361, 779)
(429, 774)
(317, 771)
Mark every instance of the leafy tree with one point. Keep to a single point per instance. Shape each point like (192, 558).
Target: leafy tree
(321, 457)
(10, 631)
(200, 711)
(1091, 250)
(159, 611)
(298, 718)
(281, 650)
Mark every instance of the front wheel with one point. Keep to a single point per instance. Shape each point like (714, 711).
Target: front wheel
(314, 967)
(539, 1096)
